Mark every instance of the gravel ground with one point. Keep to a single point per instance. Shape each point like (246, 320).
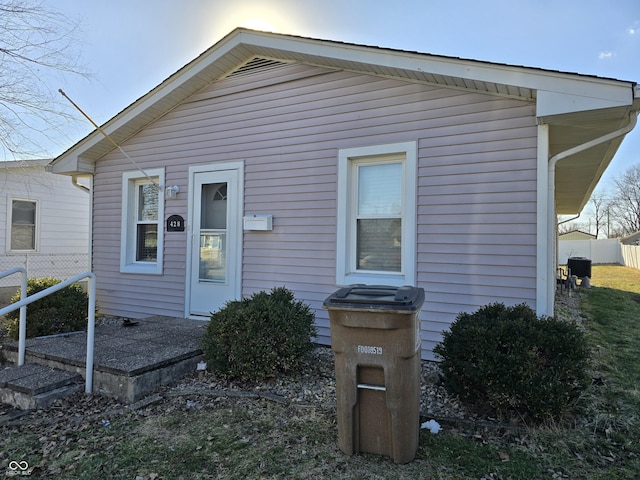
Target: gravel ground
(316, 386)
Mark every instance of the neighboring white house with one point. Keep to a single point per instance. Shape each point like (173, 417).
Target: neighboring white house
(280, 160)
(576, 235)
(633, 239)
(44, 223)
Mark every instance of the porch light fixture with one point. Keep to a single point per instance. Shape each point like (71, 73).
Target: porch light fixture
(171, 192)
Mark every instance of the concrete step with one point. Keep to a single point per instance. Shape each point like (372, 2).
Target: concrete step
(129, 363)
(33, 386)
(126, 382)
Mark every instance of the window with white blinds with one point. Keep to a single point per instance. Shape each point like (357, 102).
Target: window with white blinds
(376, 215)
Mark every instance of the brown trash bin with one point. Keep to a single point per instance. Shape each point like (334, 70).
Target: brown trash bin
(375, 335)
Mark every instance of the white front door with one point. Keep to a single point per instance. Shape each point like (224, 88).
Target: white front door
(215, 245)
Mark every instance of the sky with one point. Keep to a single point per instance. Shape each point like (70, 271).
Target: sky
(130, 46)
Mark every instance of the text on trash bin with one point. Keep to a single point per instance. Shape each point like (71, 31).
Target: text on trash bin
(372, 350)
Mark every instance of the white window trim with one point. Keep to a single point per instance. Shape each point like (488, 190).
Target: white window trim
(9, 229)
(128, 263)
(345, 261)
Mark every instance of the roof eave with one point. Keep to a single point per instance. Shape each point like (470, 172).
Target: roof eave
(577, 175)
(560, 93)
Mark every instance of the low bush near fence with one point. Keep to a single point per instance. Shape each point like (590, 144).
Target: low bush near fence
(507, 361)
(60, 312)
(257, 337)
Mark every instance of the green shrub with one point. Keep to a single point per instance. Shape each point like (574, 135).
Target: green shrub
(508, 361)
(60, 312)
(257, 337)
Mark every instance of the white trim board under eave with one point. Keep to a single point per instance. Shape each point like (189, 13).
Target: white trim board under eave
(556, 103)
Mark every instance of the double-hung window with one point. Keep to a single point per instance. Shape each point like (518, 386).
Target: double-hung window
(142, 214)
(23, 225)
(377, 215)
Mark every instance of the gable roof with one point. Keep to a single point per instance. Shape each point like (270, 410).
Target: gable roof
(36, 162)
(577, 108)
(576, 235)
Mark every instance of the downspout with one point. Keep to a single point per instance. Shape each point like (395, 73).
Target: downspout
(551, 199)
(74, 181)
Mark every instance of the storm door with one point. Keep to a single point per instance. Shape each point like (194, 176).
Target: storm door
(215, 241)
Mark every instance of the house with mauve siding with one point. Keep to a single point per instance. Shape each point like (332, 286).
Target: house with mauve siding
(276, 160)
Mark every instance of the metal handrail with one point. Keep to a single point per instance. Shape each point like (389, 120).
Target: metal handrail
(91, 316)
(23, 310)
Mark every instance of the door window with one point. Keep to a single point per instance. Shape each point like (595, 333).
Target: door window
(213, 233)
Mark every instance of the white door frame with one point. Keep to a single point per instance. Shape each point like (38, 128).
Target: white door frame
(234, 223)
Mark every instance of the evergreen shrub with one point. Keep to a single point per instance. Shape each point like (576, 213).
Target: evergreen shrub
(59, 312)
(506, 361)
(259, 336)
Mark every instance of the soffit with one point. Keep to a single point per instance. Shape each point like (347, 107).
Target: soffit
(577, 176)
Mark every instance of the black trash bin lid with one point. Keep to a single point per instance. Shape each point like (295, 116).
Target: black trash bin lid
(377, 296)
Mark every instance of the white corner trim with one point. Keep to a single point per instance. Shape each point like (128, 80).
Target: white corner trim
(545, 278)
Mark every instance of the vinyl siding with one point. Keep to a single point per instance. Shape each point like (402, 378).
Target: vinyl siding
(477, 219)
(476, 187)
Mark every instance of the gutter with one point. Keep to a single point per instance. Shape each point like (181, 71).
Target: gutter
(592, 143)
(570, 219)
(551, 200)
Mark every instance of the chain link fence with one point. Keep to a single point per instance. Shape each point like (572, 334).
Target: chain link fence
(58, 266)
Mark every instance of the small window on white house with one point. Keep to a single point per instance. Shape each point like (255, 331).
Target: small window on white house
(377, 215)
(23, 225)
(142, 213)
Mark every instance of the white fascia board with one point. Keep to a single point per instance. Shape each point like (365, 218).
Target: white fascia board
(557, 103)
(617, 91)
(359, 58)
(70, 163)
(150, 99)
(172, 83)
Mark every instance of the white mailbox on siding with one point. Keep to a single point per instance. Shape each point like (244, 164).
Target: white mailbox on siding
(258, 221)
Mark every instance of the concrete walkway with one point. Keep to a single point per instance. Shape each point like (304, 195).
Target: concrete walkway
(129, 360)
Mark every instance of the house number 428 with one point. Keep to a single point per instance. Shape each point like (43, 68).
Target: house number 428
(175, 223)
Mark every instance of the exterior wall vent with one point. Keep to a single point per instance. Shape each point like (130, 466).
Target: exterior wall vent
(256, 65)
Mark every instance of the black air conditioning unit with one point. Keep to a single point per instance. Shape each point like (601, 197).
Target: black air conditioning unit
(579, 266)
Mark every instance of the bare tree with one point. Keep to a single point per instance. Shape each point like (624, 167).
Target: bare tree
(600, 204)
(625, 208)
(36, 46)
